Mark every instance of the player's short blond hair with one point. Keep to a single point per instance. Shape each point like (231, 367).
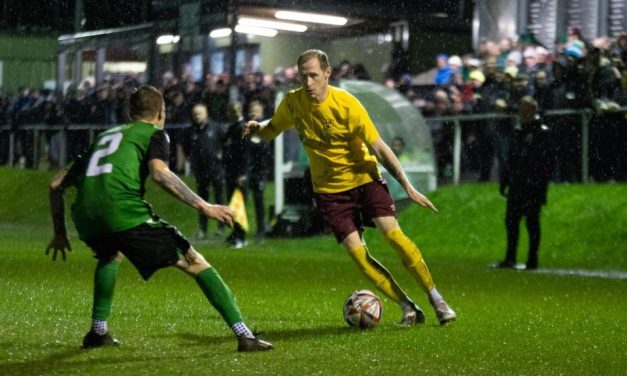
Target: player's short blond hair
(314, 54)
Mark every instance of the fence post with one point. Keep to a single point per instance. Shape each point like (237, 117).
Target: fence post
(279, 172)
(35, 148)
(11, 160)
(457, 150)
(585, 146)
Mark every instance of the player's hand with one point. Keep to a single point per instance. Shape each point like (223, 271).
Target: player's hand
(59, 243)
(251, 127)
(222, 214)
(420, 199)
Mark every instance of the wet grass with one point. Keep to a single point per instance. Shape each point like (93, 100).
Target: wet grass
(293, 289)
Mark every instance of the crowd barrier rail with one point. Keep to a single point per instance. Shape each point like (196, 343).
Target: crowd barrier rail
(584, 114)
(37, 129)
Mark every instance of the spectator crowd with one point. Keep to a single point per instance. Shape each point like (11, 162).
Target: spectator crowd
(577, 74)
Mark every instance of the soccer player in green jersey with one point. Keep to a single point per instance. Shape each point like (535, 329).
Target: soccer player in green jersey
(114, 220)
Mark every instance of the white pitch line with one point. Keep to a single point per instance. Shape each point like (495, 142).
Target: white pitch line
(609, 274)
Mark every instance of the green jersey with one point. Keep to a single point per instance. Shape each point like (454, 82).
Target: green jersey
(111, 177)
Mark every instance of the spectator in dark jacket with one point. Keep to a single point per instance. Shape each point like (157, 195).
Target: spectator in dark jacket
(236, 162)
(259, 161)
(52, 115)
(217, 100)
(525, 181)
(5, 109)
(203, 144)
(103, 110)
(19, 116)
(565, 129)
(607, 134)
(178, 110)
(77, 111)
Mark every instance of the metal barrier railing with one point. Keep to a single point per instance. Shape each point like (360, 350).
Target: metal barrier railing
(584, 114)
(38, 129)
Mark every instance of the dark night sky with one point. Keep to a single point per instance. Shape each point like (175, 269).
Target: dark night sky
(58, 15)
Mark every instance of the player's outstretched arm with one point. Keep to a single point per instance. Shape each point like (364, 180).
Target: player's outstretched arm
(59, 242)
(169, 181)
(386, 156)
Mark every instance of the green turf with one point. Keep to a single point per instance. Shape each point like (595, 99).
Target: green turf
(509, 322)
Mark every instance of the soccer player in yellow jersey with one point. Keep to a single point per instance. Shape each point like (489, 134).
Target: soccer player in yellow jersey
(343, 147)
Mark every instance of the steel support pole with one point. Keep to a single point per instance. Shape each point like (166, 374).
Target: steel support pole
(11, 148)
(457, 151)
(585, 147)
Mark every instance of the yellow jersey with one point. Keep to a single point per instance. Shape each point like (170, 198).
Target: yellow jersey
(334, 134)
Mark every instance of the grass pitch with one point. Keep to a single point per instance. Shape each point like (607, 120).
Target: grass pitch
(293, 290)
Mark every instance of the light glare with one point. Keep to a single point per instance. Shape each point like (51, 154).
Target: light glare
(168, 39)
(220, 33)
(311, 17)
(258, 22)
(262, 31)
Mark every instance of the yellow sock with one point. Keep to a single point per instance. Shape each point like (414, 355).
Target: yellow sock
(411, 256)
(378, 274)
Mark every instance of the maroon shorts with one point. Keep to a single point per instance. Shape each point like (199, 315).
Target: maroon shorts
(349, 211)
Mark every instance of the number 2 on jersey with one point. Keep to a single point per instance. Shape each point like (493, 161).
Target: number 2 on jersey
(113, 142)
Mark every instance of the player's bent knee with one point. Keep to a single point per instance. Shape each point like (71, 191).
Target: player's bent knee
(192, 262)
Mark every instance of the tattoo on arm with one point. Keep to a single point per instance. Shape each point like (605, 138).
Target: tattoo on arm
(175, 186)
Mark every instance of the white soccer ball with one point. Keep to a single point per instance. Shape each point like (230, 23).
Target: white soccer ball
(363, 309)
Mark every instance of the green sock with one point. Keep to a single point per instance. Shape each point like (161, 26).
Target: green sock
(104, 284)
(219, 295)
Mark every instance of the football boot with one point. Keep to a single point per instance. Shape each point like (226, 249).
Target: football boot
(412, 314)
(252, 344)
(443, 312)
(95, 340)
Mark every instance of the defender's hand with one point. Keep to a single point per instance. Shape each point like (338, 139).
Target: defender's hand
(58, 243)
(421, 200)
(250, 128)
(222, 214)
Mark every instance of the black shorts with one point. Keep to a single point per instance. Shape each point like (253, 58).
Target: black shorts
(148, 247)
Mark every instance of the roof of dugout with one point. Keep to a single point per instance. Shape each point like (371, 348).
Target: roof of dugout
(363, 17)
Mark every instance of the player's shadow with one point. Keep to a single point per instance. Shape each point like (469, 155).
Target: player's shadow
(57, 360)
(63, 361)
(280, 335)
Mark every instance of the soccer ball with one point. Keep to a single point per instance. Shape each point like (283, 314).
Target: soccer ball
(363, 309)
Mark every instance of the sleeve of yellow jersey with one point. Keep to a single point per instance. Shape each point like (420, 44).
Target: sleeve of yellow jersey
(281, 120)
(364, 126)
